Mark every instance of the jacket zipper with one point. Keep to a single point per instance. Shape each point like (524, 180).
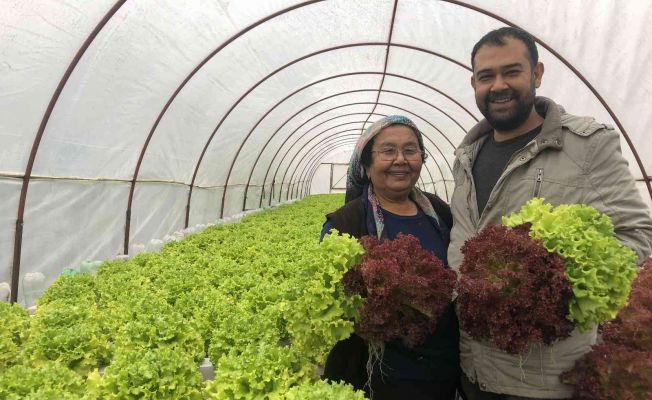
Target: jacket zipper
(537, 182)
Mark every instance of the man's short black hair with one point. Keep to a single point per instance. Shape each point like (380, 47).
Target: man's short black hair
(497, 38)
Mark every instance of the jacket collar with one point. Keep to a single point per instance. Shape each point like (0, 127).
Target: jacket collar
(549, 137)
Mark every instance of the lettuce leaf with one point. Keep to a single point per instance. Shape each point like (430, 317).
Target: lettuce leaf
(600, 269)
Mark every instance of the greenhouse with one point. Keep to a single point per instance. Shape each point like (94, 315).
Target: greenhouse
(166, 168)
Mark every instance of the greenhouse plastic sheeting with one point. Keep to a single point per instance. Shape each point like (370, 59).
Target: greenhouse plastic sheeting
(233, 105)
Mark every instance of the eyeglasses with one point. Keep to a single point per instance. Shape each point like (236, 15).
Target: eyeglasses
(391, 154)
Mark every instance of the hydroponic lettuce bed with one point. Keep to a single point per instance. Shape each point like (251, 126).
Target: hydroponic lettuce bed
(262, 299)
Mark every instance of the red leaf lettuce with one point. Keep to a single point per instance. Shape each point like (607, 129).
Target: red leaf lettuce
(512, 291)
(405, 289)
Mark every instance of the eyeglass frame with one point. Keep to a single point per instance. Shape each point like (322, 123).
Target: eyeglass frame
(422, 154)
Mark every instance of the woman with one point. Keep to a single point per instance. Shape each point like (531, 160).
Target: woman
(382, 200)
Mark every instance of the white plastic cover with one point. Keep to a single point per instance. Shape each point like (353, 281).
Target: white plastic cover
(250, 101)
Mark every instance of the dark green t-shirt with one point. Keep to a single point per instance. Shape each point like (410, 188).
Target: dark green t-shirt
(492, 160)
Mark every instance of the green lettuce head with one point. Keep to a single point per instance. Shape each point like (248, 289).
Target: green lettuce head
(600, 269)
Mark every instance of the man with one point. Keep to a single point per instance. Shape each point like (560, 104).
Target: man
(528, 147)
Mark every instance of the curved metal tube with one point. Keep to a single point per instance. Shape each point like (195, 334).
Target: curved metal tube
(326, 139)
(388, 105)
(307, 167)
(282, 125)
(18, 236)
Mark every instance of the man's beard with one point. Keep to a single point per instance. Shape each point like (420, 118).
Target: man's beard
(513, 119)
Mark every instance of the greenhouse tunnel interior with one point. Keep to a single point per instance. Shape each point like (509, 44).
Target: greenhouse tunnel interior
(123, 122)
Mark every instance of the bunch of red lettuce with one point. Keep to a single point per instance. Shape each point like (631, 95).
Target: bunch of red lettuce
(599, 268)
(621, 366)
(512, 291)
(405, 290)
(633, 324)
(610, 371)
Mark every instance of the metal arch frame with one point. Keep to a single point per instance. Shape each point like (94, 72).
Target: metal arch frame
(384, 104)
(339, 47)
(327, 149)
(187, 79)
(246, 93)
(645, 177)
(307, 183)
(269, 166)
(287, 138)
(460, 105)
(208, 142)
(72, 66)
(260, 203)
(329, 97)
(577, 73)
(382, 80)
(350, 45)
(244, 141)
(305, 122)
(317, 135)
(311, 154)
(15, 271)
(18, 238)
(297, 154)
(291, 182)
(274, 72)
(317, 157)
(326, 139)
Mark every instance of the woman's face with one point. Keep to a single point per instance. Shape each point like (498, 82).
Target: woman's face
(395, 178)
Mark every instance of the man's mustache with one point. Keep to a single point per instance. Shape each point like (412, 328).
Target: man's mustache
(502, 94)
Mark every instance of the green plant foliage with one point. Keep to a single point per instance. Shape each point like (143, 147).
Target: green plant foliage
(116, 280)
(262, 297)
(157, 374)
(240, 327)
(170, 276)
(150, 322)
(69, 333)
(323, 298)
(600, 269)
(46, 381)
(14, 332)
(620, 367)
(78, 288)
(321, 390)
(204, 309)
(259, 371)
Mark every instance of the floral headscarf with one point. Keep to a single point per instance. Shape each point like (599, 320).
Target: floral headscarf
(357, 182)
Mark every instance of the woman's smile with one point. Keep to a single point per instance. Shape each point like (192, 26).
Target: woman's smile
(397, 177)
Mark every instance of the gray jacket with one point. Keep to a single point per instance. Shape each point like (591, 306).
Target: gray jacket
(572, 160)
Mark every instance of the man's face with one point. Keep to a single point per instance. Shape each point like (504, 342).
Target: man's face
(505, 83)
